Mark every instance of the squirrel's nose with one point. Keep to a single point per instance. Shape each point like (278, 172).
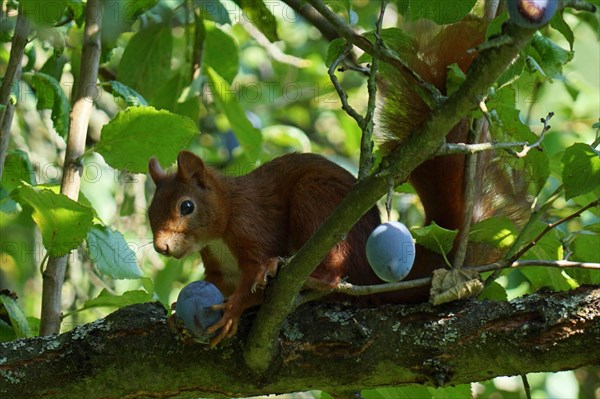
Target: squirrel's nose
(161, 247)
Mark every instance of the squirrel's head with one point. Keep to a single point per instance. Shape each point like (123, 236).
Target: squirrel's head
(186, 210)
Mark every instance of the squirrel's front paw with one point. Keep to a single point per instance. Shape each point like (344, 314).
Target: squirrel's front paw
(269, 270)
(227, 326)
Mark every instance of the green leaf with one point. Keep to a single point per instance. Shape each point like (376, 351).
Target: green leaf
(249, 137)
(549, 247)
(558, 23)
(17, 168)
(586, 248)
(497, 231)
(138, 133)
(584, 276)
(493, 292)
(54, 66)
(43, 12)
(458, 391)
(119, 17)
(397, 40)
(146, 60)
(535, 165)
(213, 10)
(455, 78)
(259, 14)
(63, 222)
(338, 6)
(168, 94)
(404, 392)
(7, 204)
(220, 52)
(581, 170)
(417, 391)
(77, 8)
(435, 238)
(335, 49)
(51, 96)
(165, 279)
(132, 98)
(7, 333)
(109, 250)
(17, 317)
(546, 277)
(513, 72)
(106, 299)
(440, 11)
(550, 56)
(287, 137)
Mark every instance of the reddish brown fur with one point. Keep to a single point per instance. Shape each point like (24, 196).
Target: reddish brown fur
(268, 213)
(273, 210)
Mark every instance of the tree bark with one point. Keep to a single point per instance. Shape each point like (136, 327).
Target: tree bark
(132, 353)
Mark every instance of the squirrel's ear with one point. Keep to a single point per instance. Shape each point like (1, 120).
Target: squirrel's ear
(156, 171)
(189, 166)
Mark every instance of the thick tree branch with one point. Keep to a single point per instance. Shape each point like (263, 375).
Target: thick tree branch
(132, 353)
(422, 145)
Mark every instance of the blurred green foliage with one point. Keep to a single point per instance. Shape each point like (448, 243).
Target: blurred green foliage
(256, 88)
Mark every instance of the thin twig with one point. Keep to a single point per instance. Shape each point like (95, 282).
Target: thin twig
(538, 143)
(338, 87)
(551, 226)
(526, 386)
(359, 290)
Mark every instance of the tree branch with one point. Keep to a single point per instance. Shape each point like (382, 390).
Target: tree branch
(54, 274)
(19, 40)
(132, 353)
(469, 179)
(366, 141)
(350, 289)
(280, 297)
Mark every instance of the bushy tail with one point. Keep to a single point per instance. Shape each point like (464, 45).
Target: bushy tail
(440, 182)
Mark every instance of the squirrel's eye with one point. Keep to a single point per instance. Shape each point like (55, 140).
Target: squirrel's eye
(186, 207)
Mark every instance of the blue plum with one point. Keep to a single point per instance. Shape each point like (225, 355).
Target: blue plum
(391, 251)
(193, 307)
(531, 13)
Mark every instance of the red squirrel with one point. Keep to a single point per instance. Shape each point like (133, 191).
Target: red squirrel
(243, 225)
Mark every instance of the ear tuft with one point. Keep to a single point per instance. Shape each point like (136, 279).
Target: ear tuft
(189, 166)
(156, 172)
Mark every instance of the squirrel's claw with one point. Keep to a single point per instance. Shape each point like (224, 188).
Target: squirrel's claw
(270, 270)
(227, 326)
